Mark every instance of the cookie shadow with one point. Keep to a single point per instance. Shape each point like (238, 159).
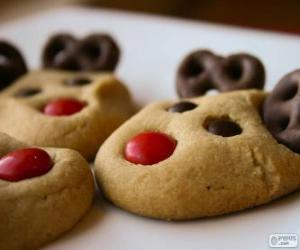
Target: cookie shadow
(86, 224)
(278, 204)
(90, 219)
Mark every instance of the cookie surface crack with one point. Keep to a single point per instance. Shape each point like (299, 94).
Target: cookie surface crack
(268, 172)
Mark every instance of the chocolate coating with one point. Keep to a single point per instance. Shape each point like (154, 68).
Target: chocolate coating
(281, 111)
(12, 64)
(96, 52)
(77, 81)
(202, 70)
(181, 107)
(225, 128)
(59, 52)
(27, 92)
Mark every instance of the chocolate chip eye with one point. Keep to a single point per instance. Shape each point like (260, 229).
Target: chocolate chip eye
(181, 107)
(26, 92)
(234, 70)
(222, 127)
(77, 81)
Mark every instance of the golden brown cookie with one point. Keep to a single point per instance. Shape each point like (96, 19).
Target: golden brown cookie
(64, 109)
(208, 156)
(43, 193)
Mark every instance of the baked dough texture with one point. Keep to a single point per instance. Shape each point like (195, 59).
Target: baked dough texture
(37, 210)
(108, 105)
(207, 174)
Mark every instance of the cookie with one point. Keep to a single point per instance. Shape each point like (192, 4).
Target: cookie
(65, 109)
(95, 52)
(210, 156)
(43, 193)
(12, 64)
(202, 70)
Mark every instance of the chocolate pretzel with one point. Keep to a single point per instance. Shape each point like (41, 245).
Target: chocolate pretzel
(202, 70)
(96, 52)
(281, 111)
(12, 64)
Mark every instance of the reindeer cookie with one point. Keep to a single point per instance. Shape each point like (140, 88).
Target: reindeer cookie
(43, 193)
(65, 109)
(194, 158)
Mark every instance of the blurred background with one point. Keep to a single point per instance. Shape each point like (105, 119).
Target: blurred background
(278, 15)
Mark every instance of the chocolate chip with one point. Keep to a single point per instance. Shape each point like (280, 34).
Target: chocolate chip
(96, 52)
(77, 81)
(202, 70)
(181, 107)
(12, 64)
(225, 128)
(26, 92)
(281, 111)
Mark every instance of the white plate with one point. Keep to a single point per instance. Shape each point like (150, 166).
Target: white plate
(151, 50)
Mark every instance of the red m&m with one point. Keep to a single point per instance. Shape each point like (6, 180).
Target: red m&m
(63, 106)
(24, 163)
(149, 148)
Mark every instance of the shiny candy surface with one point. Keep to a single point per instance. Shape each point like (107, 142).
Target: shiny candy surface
(149, 148)
(24, 163)
(63, 106)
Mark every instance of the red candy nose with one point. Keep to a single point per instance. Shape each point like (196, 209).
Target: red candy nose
(24, 163)
(63, 106)
(149, 148)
